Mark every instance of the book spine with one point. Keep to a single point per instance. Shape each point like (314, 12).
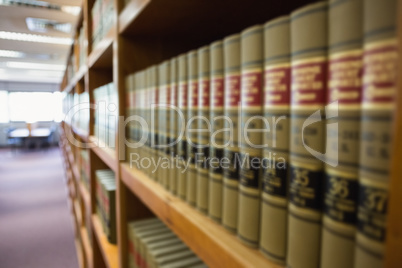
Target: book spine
(162, 125)
(231, 56)
(380, 54)
(251, 137)
(181, 168)
(192, 123)
(308, 90)
(344, 89)
(112, 216)
(130, 111)
(173, 126)
(165, 151)
(141, 102)
(154, 110)
(145, 164)
(276, 153)
(217, 124)
(202, 157)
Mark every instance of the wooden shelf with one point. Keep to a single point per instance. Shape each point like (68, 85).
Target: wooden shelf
(78, 212)
(77, 77)
(102, 55)
(87, 246)
(209, 240)
(109, 251)
(85, 196)
(80, 256)
(130, 13)
(107, 155)
(81, 133)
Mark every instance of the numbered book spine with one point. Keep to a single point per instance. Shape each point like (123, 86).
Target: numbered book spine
(276, 153)
(174, 118)
(192, 124)
(181, 161)
(251, 123)
(379, 88)
(230, 196)
(341, 170)
(202, 157)
(217, 124)
(308, 90)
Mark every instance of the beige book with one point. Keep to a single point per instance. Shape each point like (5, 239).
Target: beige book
(181, 160)
(251, 138)
(192, 124)
(380, 58)
(344, 87)
(273, 234)
(173, 134)
(230, 196)
(202, 157)
(307, 136)
(217, 124)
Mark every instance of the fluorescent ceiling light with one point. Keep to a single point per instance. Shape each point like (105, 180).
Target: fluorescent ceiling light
(71, 10)
(35, 66)
(52, 74)
(35, 38)
(11, 54)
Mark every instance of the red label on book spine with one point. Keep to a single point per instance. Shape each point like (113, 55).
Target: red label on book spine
(217, 92)
(251, 88)
(380, 72)
(277, 85)
(204, 93)
(344, 78)
(309, 82)
(194, 94)
(183, 95)
(232, 92)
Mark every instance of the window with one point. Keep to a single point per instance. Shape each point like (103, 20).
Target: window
(3, 106)
(34, 106)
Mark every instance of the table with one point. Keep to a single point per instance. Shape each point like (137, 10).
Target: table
(36, 136)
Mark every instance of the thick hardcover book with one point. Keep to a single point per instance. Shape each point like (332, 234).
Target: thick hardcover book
(192, 124)
(380, 54)
(181, 160)
(164, 123)
(146, 131)
(173, 133)
(251, 123)
(217, 124)
(307, 135)
(154, 122)
(130, 111)
(344, 94)
(202, 157)
(274, 213)
(230, 196)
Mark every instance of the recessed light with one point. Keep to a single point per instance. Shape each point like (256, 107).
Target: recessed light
(11, 54)
(35, 38)
(34, 66)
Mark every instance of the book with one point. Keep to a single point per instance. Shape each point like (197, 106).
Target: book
(217, 95)
(380, 53)
(192, 124)
(309, 40)
(153, 122)
(203, 129)
(251, 122)
(344, 90)
(181, 169)
(273, 234)
(173, 133)
(231, 56)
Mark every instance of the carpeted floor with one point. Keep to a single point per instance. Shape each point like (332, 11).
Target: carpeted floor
(36, 228)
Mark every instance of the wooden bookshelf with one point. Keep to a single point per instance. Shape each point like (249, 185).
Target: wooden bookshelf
(109, 251)
(147, 32)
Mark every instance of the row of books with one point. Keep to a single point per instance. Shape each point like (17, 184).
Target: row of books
(106, 202)
(298, 165)
(80, 112)
(85, 168)
(105, 114)
(103, 18)
(80, 46)
(153, 245)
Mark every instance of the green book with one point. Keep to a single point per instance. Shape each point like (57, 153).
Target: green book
(380, 60)
(274, 201)
(202, 157)
(192, 123)
(307, 136)
(231, 56)
(217, 123)
(252, 54)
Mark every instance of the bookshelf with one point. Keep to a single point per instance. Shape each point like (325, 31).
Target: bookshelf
(145, 33)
